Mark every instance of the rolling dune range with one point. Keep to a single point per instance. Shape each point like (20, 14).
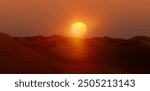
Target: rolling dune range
(60, 54)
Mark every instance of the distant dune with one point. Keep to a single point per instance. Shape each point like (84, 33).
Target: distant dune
(60, 54)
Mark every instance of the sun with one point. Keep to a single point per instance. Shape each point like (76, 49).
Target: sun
(78, 29)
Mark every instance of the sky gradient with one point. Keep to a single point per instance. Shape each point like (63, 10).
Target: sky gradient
(114, 18)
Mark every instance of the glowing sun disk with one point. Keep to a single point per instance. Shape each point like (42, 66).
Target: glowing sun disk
(78, 29)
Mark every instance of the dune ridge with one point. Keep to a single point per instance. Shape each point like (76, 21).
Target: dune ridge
(61, 54)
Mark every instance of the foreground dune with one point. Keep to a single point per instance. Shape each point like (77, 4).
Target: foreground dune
(60, 54)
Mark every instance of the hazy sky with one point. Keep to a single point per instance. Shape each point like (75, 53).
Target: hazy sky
(115, 18)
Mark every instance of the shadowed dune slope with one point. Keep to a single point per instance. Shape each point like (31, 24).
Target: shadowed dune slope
(16, 58)
(60, 54)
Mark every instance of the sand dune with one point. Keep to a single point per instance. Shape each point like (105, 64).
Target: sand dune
(16, 58)
(60, 54)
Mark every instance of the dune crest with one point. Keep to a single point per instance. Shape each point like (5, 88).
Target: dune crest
(60, 54)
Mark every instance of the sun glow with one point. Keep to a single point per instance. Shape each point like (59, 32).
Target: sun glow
(78, 29)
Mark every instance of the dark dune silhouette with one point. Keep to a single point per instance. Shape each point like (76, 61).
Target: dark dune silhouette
(60, 54)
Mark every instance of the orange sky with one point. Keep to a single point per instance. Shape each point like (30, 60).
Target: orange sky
(115, 18)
